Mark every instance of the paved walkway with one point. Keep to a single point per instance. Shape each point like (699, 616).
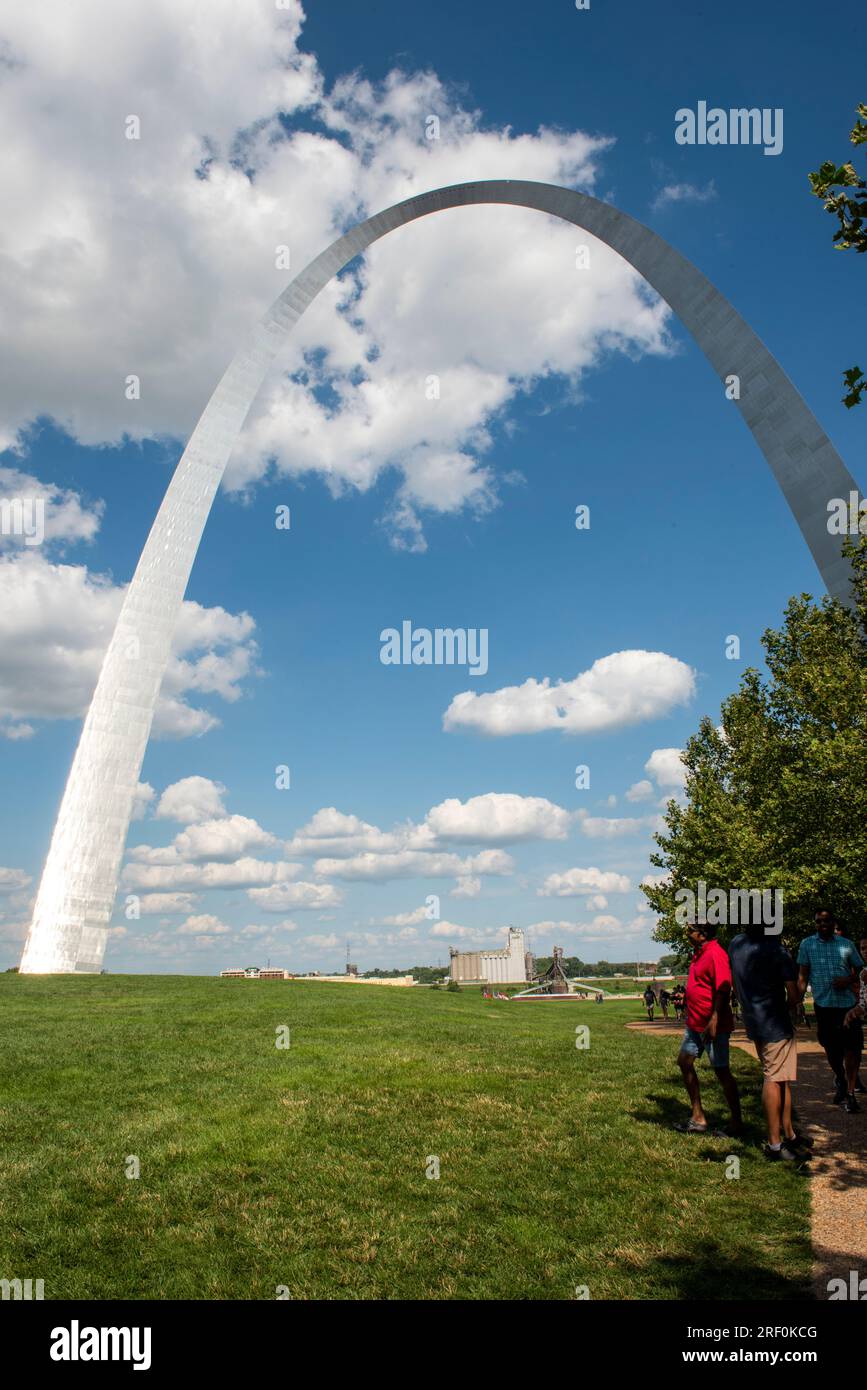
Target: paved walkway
(838, 1173)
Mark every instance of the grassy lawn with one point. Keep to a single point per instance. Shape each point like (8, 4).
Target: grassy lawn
(305, 1166)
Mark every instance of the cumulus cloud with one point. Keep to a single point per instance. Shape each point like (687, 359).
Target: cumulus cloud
(50, 515)
(166, 904)
(163, 870)
(414, 864)
(601, 928)
(55, 624)
(144, 795)
(134, 235)
(625, 688)
(666, 767)
(613, 827)
(640, 791)
(492, 818)
(204, 924)
(191, 800)
(466, 888)
(406, 919)
(575, 882)
(11, 880)
(499, 818)
(228, 838)
(282, 897)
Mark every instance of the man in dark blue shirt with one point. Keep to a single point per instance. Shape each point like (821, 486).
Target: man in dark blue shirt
(765, 977)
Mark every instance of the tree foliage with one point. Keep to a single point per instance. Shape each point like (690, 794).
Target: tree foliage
(845, 197)
(776, 794)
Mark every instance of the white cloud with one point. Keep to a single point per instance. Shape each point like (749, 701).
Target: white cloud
(281, 897)
(684, 193)
(11, 880)
(228, 838)
(466, 888)
(498, 818)
(166, 904)
(144, 795)
(640, 791)
(406, 919)
(666, 767)
(414, 864)
(602, 928)
(191, 800)
(55, 623)
(65, 517)
(160, 869)
(135, 235)
(204, 924)
(624, 688)
(613, 827)
(575, 882)
(491, 935)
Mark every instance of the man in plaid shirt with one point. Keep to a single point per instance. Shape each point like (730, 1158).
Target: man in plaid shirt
(830, 965)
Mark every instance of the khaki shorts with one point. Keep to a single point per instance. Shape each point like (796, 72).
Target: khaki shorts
(779, 1060)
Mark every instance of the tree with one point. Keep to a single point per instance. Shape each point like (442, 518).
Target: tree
(776, 794)
(831, 182)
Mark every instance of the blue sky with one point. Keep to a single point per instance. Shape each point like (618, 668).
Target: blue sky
(119, 258)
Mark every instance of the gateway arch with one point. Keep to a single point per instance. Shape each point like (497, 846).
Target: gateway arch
(76, 895)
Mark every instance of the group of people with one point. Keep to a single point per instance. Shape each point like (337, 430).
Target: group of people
(674, 999)
(770, 988)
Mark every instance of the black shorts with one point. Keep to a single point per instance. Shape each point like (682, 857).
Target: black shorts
(832, 1033)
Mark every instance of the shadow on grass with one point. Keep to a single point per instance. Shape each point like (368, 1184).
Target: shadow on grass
(704, 1271)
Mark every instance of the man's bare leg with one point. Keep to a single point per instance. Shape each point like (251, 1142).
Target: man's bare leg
(693, 1089)
(732, 1095)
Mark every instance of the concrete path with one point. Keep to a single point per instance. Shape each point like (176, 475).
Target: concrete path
(838, 1173)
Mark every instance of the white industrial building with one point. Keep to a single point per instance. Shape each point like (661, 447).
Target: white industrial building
(504, 966)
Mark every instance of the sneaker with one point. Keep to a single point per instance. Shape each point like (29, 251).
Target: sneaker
(859, 1086)
(795, 1150)
(800, 1141)
(840, 1093)
(851, 1106)
(782, 1154)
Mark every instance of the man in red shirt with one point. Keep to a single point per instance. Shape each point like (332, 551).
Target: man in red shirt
(709, 1024)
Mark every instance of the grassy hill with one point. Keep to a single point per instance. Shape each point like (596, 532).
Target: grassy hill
(305, 1167)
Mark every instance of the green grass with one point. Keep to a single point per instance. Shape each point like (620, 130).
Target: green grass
(305, 1167)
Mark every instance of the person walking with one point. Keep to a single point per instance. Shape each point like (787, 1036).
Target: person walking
(829, 964)
(649, 1002)
(766, 980)
(709, 1025)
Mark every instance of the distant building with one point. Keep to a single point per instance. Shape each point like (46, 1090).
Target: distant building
(505, 966)
(252, 972)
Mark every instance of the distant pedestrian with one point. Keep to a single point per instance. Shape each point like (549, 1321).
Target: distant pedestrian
(664, 1001)
(649, 1002)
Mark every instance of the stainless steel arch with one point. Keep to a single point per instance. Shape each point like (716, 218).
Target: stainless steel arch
(76, 895)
